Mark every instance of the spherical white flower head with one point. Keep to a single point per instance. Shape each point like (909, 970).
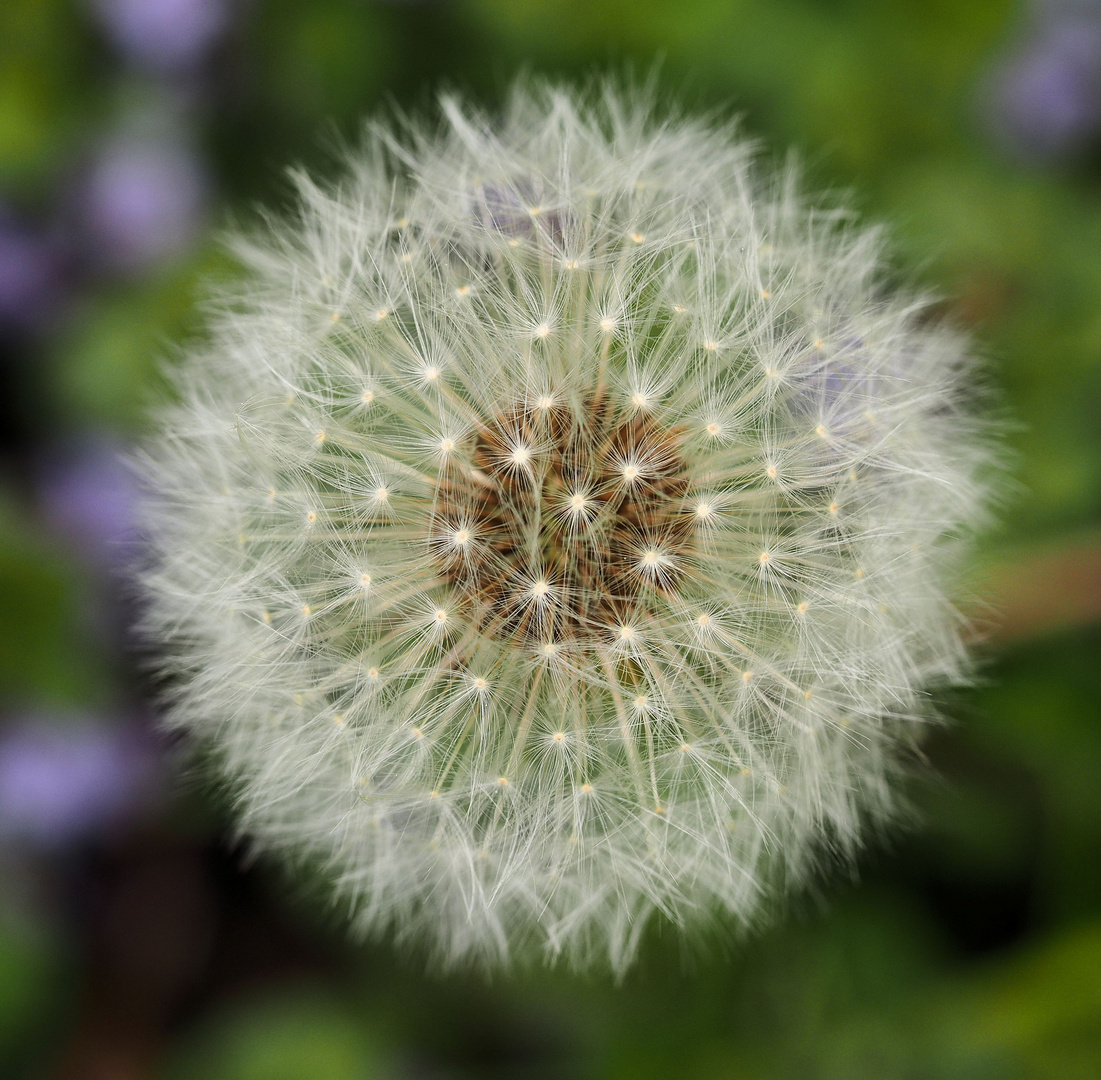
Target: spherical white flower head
(556, 529)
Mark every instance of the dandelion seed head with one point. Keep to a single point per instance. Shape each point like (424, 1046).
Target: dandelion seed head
(611, 589)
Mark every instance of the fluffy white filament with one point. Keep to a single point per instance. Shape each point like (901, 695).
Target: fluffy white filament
(555, 528)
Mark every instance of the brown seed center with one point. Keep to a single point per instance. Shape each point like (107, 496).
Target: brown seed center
(561, 520)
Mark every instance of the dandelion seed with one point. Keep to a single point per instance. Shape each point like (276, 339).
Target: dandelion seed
(519, 455)
(584, 584)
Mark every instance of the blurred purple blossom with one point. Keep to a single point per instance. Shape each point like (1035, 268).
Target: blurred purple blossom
(88, 493)
(30, 273)
(143, 200)
(518, 208)
(62, 782)
(164, 35)
(1046, 97)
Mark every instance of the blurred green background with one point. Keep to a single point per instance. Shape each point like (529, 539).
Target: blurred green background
(137, 941)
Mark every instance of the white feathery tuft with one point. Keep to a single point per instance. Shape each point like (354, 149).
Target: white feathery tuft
(557, 527)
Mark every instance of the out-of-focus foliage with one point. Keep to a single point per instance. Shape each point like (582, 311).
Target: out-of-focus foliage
(307, 1034)
(966, 949)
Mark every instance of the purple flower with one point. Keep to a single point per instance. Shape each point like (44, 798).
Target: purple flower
(64, 782)
(519, 209)
(29, 274)
(166, 35)
(1047, 97)
(143, 200)
(87, 493)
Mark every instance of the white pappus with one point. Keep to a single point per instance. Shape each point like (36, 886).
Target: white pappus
(557, 525)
